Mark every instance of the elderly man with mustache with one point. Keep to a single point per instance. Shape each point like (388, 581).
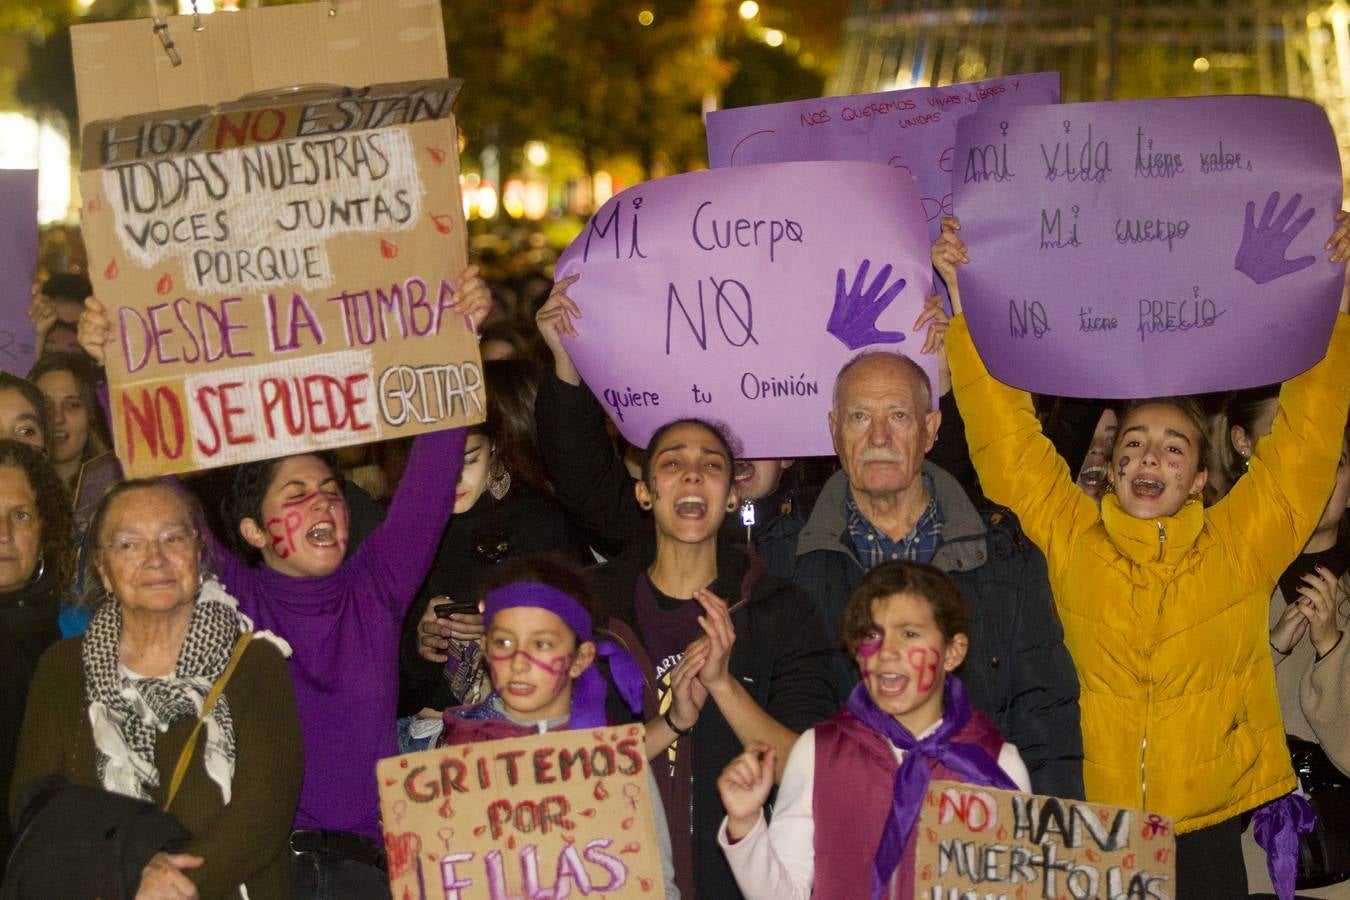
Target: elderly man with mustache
(888, 503)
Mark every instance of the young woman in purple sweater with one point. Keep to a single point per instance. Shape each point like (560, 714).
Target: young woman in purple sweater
(341, 617)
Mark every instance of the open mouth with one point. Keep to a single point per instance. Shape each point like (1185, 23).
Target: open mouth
(892, 684)
(1092, 476)
(691, 507)
(323, 534)
(1147, 487)
(519, 688)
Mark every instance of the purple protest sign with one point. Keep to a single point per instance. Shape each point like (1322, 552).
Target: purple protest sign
(1149, 247)
(912, 130)
(737, 294)
(18, 265)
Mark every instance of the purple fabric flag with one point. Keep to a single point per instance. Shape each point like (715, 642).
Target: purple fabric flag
(737, 294)
(18, 265)
(913, 130)
(1149, 247)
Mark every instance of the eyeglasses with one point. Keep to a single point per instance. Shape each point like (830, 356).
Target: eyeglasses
(174, 542)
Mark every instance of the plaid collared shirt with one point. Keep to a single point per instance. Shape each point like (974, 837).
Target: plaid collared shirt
(874, 546)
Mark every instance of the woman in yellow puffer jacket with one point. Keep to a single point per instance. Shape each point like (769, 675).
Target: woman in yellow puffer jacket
(1163, 601)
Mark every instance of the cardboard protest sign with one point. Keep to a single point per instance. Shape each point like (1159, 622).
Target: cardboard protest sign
(18, 266)
(913, 130)
(567, 813)
(995, 843)
(278, 270)
(1149, 247)
(737, 294)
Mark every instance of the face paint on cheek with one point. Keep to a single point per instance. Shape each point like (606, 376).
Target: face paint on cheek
(283, 531)
(342, 518)
(557, 668)
(924, 660)
(866, 650)
(1124, 461)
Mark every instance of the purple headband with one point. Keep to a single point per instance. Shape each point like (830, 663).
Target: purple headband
(588, 695)
(541, 596)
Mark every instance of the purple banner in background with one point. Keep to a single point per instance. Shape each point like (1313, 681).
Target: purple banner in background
(737, 294)
(1149, 247)
(912, 130)
(18, 265)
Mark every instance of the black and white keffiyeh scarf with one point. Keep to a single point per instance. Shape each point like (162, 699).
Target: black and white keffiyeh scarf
(128, 713)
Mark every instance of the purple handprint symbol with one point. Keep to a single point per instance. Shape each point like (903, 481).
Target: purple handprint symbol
(853, 320)
(1261, 255)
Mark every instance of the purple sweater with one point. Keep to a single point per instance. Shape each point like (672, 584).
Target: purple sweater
(344, 630)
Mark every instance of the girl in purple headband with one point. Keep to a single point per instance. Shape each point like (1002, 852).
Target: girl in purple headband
(542, 654)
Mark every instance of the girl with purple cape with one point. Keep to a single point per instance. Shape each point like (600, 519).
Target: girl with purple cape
(843, 826)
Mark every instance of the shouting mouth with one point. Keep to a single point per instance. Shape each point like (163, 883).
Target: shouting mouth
(323, 534)
(1147, 487)
(691, 507)
(892, 684)
(1092, 476)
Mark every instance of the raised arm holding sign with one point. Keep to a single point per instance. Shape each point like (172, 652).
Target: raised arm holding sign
(1163, 601)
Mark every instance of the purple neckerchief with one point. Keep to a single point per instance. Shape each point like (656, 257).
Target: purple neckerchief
(1276, 827)
(588, 694)
(911, 781)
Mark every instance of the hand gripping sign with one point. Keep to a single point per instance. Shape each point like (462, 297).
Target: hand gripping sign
(737, 294)
(1149, 247)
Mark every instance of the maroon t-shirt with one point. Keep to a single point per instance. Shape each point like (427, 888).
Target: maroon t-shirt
(667, 626)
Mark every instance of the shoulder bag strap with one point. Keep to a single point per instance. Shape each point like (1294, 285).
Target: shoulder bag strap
(207, 705)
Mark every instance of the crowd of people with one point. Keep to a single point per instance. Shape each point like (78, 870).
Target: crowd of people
(1138, 603)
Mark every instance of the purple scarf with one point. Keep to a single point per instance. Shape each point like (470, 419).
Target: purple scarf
(588, 693)
(1276, 827)
(911, 781)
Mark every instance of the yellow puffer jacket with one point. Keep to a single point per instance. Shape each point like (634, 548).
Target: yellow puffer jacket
(1166, 618)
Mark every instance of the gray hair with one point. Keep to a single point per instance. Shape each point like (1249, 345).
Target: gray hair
(925, 383)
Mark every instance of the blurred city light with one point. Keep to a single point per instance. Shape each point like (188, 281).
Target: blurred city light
(749, 9)
(27, 143)
(536, 153)
(1201, 64)
(773, 37)
(646, 17)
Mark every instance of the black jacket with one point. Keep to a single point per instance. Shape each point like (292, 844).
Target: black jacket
(473, 544)
(1017, 671)
(780, 657)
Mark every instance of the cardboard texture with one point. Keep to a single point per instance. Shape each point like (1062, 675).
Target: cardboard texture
(18, 265)
(737, 294)
(121, 69)
(1145, 248)
(278, 270)
(994, 843)
(566, 813)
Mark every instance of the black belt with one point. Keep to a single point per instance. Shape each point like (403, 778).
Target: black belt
(355, 847)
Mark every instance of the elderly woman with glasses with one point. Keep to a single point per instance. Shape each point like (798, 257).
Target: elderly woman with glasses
(115, 708)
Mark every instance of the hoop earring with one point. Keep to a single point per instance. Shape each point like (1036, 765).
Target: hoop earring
(498, 480)
(39, 571)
